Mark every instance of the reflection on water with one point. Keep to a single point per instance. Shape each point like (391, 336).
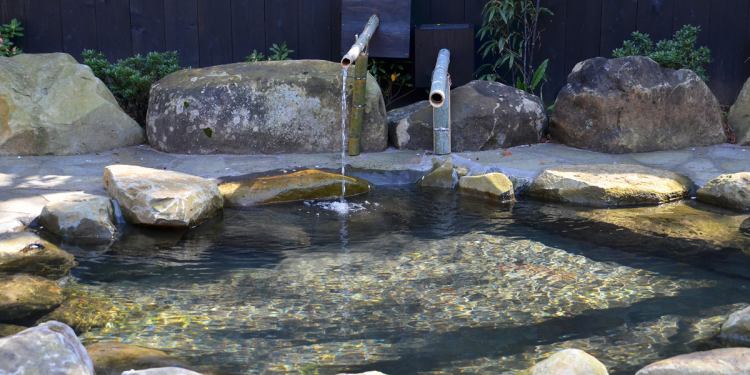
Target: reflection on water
(418, 282)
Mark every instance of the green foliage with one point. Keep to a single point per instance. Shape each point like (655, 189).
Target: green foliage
(130, 79)
(8, 33)
(509, 36)
(680, 52)
(393, 78)
(277, 52)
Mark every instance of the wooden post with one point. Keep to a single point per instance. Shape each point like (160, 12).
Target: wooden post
(359, 101)
(440, 99)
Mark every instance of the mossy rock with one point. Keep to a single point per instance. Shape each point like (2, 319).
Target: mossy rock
(491, 185)
(26, 297)
(27, 253)
(84, 311)
(311, 184)
(112, 358)
(10, 329)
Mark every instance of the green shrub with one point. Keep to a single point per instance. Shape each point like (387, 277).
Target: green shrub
(509, 35)
(680, 52)
(393, 78)
(277, 52)
(130, 79)
(8, 33)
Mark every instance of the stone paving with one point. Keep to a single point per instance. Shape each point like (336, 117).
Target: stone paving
(28, 183)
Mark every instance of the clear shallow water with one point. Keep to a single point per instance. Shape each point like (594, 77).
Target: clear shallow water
(417, 282)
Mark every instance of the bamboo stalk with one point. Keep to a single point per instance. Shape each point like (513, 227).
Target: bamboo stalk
(359, 101)
(440, 99)
(362, 41)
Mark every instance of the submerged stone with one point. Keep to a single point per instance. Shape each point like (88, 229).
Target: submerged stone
(268, 107)
(161, 371)
(728, 190)
(10, 329)
(27, 253)
(23, 297)
(737, 327)
(311, 184)
(113, 358)
(609, 185)
(51, 104)
(50, 348)
(81, 219)
(84, 312)
(496, 185)
(632, 104)
(729, 361)
(443, 175)
(162, 198)
(569, 362)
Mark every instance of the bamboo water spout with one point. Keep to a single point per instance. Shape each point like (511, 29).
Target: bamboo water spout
(362, 41)
(440, 99)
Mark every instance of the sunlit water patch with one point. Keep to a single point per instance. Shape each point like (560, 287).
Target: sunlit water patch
(416, 282)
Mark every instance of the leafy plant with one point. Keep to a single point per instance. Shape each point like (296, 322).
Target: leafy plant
(680, 52)
(393, 78)
(130, 79)
(277, 52)
(509, 34)
(8, 33)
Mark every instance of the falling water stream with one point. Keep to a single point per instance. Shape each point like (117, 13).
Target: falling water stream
(344, 74)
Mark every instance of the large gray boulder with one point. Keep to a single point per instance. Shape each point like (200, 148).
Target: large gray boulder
(27, 253)
(728, 190)
(484, 116)
(739, 116)
(50, 348)
(729, 361)
(632, 104)
(50, 104)
(258, 108)
(162, 198)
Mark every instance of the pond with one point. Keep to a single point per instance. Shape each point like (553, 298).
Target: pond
(419, 281)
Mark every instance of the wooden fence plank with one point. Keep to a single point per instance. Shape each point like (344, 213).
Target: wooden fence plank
(582, 31)
(448, 11)
(147, 25)
(10, 9)
(552, 47)
(421, 12)
(282, 24)
(181, 30)
(113, 28)
(78, 26)
(44, 29)
(728, 50)
(215, 32)
(693, 12)
(473, 11)
(335, 53)
(248, 28)
(655, 17)
(619, 20)
(315, 20)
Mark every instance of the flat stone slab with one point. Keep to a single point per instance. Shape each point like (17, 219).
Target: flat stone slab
(729, 361)
(29, 183)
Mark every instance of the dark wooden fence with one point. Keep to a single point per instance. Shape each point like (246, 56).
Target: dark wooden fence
(209, 32)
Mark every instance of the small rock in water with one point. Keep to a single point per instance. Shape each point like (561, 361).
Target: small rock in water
(729, 361)
(569, 362)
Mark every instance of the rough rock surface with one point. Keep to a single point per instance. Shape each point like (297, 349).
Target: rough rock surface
(484, 116)
(739, 115)
(25, 252)
(632, 104)
(730, 361)
(161, 371)
(609, 185)
(50, 104)
(85, 219)
(745, 227)
(569, 362)
(112, 358)
(728, 190)
(737, 327)
(496, 185)
(309, 184)
(260, 108)
(443, 175)
(23, 297)
(162, 198)
(51, 348)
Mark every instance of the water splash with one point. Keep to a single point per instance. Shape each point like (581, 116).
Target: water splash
(344, 74)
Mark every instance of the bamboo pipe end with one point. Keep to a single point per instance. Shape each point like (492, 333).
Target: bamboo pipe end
(437, 99)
